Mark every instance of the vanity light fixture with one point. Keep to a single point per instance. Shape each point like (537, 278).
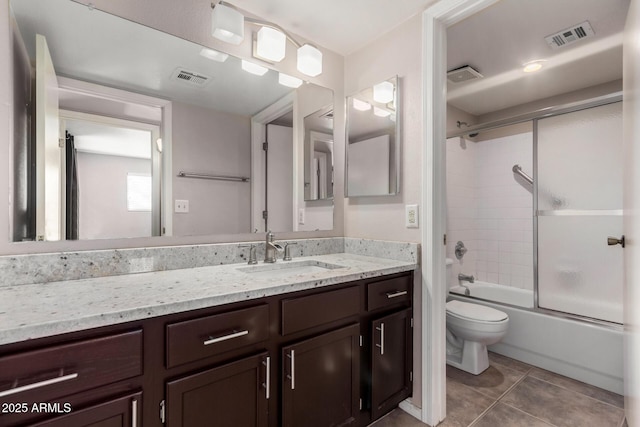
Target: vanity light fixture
(383, 92)
(213, 54)
(270, 42)
(381, 112)
(361, 105)
(227, 24)
(252, 68)
(533, 66)
(289, 81)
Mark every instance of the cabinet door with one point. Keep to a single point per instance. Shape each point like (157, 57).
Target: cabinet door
(391, 362)
(321, 380)
(122, 412)
(231, 395)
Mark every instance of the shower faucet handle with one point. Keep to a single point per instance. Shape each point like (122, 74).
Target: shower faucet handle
(253, 259)
(460, 250)
(287, 251)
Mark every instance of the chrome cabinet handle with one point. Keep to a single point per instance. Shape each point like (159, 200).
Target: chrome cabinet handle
(292, 377)
(381, 345)
(226, 337)
(396, 294)
(267, 383)
(612, 241)
(134, 413)
(38, 384)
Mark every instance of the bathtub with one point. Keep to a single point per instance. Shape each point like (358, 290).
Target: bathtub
(585, 351)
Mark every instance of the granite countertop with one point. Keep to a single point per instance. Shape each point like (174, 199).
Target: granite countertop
(39, 310)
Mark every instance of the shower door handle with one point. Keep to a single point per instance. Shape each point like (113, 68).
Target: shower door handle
(612, 241)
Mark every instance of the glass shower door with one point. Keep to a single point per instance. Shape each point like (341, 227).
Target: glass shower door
(579, 205)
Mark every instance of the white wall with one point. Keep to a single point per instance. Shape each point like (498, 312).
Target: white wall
(397, 52)
(102, 197)
(489, 209)
(217, 143)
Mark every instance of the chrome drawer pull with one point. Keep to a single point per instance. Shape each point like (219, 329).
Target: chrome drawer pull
(292, 377)
(226, 337)
(134, 413)
(381, 345)
(267, 384)
(396, 294)
(38, 385)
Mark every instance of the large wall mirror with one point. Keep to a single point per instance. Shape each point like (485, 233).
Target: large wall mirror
(373, 141)
(132, 132)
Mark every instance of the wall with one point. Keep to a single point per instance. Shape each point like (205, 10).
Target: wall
(488, 208)
(218, 143)
(383, 217)
(189, 19)
(102, 195)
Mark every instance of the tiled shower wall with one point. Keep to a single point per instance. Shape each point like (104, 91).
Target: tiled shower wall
(489, 209)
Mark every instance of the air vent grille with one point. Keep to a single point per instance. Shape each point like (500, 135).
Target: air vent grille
(463, 74)
(570, 35)
(182, 75)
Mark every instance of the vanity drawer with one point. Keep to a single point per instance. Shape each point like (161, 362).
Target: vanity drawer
(389, 292)
(49, 373)
(208, 336)
(302, 313)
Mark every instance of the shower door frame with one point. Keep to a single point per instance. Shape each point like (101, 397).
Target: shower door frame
(534, 117)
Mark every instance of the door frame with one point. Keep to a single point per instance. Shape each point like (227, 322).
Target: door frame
(435, 21)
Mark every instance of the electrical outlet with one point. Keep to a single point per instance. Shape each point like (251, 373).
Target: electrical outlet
(301, 216)
(411, 216)
(182, 206)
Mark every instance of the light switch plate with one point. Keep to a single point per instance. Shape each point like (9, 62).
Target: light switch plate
(301, 216)
(411, 217)
(182, 206)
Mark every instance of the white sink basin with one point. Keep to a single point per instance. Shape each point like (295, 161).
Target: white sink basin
(288, 269)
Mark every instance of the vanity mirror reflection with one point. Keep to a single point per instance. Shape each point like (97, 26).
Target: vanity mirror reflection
(132, 132)
(373, 141)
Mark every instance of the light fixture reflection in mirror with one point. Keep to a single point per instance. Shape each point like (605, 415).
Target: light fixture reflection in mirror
(113, 67)
(373, 141)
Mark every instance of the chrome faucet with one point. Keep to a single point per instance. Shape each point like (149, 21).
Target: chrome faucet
(271, 248)
(465, 278)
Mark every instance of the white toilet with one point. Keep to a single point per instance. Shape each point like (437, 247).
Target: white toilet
(470, 329)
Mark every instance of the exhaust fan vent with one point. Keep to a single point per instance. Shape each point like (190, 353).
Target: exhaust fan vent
(193, 78)
(463, 74)
(570, 35)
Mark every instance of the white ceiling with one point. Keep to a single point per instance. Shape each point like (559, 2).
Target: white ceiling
(338, 25)
(500, 39)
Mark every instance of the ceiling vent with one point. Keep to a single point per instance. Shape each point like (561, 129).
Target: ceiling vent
(193, 78)
(328, 115)
(570, 35)
(463, 74)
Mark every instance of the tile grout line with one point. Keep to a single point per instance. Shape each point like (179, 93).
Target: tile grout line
(531, 415)
(577, 392)
(499, 398)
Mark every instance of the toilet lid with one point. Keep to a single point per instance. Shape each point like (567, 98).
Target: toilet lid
(475, 311)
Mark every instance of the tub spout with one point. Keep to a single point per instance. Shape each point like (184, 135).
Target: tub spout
(466, 278)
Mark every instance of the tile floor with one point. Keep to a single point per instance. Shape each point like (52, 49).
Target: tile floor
(513, 394)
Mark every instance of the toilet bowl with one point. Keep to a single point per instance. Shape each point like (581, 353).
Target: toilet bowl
(470, 329)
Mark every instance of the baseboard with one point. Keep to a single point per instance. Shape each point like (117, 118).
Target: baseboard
(411, 409)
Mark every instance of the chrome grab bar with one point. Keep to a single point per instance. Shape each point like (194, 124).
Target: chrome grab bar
(517, 169)
(226, 337)
(38, 385)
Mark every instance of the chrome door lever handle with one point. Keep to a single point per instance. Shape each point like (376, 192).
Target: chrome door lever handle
(612, 241)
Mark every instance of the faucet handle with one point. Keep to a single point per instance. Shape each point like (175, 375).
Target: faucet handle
(287, 251)
(253, 259)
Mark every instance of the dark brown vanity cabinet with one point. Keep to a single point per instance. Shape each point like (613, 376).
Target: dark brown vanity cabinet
(230, 395)
(330, 356)
(321, 380)
(121, 412)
